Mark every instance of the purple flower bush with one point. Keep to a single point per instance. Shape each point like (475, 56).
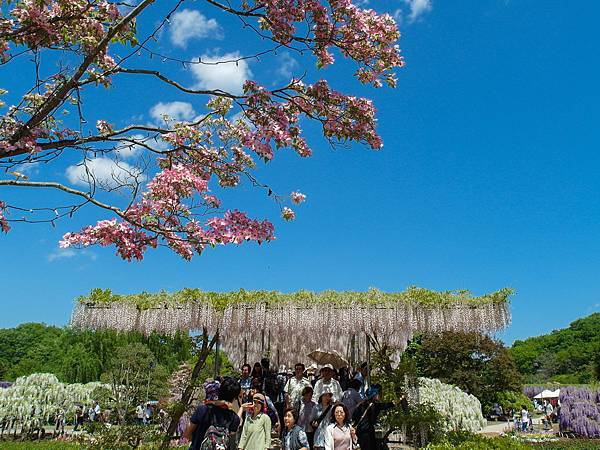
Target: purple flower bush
(580, 411)
(532, 391)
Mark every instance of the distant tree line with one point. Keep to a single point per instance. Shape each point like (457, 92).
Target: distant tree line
(81, 356)
(569, 356)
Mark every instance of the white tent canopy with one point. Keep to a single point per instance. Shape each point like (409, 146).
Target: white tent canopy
(546, 393)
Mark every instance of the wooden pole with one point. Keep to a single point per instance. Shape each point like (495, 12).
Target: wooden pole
(217, 368)
(368, 347)
(352, 351)
(245, 350)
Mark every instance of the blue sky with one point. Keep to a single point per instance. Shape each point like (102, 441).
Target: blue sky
(488, 177)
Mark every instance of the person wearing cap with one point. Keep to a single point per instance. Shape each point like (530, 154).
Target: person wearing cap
(322, 419)
(361, 375)
(365, 417)
(307, 412)
(256, 433)
(351, 397)
(327, 382)
(214, 413)
(295, 385)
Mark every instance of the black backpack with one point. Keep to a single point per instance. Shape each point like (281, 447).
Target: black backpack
(217, 435)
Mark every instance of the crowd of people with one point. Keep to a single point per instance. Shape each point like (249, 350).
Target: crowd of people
(306, 410)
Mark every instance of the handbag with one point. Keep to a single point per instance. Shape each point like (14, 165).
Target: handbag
(320, 418)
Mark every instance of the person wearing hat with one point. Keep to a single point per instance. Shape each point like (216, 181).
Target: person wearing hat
(256, 433)
(323, 418)
(215, 413)
(327, 382)
(365, 417)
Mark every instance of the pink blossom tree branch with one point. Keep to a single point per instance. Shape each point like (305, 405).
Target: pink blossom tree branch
(171, 190)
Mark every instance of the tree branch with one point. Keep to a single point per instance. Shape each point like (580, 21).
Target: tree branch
(61, 187)
(58, 96)
(157, 74)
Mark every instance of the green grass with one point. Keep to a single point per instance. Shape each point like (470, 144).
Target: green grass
(38, 445)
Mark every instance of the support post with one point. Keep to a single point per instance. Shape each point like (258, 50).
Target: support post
(368, 348)
(186, 397)
(352, 351)
(245, 350)
(217, 368)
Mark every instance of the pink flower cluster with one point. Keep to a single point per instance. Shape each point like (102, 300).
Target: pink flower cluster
(130, 241)
(297, 197)
(104, 127)
(4, 226)
(277, 122)
(363, 35)
(63, 22)
(163, 215)
(343, 118)
(288, 213)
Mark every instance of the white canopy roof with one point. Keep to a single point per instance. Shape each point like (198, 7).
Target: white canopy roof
(546, 393)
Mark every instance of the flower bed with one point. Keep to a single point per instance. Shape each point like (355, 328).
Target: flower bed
(580, 411)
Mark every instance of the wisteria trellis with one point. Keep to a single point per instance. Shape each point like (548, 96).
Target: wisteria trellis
(289, 326)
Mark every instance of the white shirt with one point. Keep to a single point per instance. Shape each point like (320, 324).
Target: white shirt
(294, 388)
(332, 385)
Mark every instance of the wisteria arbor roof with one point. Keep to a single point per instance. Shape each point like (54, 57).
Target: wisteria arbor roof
(292, 325)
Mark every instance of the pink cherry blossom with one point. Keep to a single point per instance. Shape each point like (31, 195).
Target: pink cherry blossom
(104, 127)
(179, 207)
(4, 226)
(288, 214)
(297, 197)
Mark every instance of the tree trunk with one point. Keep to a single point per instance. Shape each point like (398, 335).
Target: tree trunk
(205, 350)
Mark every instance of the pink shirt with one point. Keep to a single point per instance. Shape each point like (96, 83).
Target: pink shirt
(341, 438)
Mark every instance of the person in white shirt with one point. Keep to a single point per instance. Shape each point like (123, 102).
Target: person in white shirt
(295, 385)
(328, 383)
(524, 418)
(139, 413)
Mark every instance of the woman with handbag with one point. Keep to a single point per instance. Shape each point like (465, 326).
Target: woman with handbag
(323, 419)
(339, 435)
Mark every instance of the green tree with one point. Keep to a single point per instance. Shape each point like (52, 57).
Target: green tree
(134, 376)
(474, 362)
(79, 356)
(565, 355)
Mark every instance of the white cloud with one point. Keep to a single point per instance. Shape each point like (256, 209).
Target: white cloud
(188, 24)
(174, 110)
(126, 150)
(287, 64)
(227, 76)
(397, 15)
(417, 8)
(67, 253)
(104, 172)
